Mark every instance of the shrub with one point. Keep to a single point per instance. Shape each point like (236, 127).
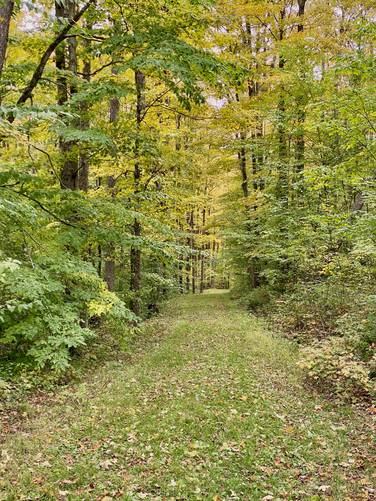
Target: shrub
(257, 298)
(334, 366)
(337, 321)
(45, 308)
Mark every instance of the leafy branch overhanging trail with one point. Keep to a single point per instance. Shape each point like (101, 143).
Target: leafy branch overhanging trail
(215, 410)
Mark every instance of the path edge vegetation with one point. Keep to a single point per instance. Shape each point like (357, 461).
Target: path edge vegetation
(200, 317)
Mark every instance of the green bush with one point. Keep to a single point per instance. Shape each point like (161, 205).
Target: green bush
(45, 309)
(257, 298)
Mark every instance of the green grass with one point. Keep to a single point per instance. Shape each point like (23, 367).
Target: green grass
(214, 408)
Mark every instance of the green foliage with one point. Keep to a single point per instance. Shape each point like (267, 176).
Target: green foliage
(129, 155)
(257, 298)
(45, 308)
(305, 231)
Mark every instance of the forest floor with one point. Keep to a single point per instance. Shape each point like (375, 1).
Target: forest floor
(211, 406)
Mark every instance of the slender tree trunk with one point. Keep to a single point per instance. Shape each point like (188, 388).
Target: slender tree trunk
(181, 256)
(99, 268)
(202, 272)
(110, 270)
(243, 165)
(180, 275)
(6, 11)
(213, 264)
(242, 157)
(137, 229)
(300, 142)
(68, 149)
(188, 274)
(61, 79)
(71, 7)
(193, 255)
(83, 168)
(110, 263)
(202, 253)
(301, 10)
(282, 187)
(254, 264)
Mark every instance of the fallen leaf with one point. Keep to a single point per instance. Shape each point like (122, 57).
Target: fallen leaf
(289, 429)
(324, 488)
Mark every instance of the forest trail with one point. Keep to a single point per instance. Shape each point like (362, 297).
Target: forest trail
(215, 409)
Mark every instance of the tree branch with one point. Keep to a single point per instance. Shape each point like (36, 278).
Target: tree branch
(102, 67)
(21, 194)
(50, 49)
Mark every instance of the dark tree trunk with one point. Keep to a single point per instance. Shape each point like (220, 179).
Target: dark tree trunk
(301, 10)
(71, 8)
(99, 268)
(68, 150)
(202, 253)
(188, 274)
(243, 165)
(202, 272)
(193, 249)
(181, 256)
(6, 10)
(83, 168)
(242, 156)
(62, 88)
(110, 270)
(300, 142)
(110, 263)
(114, 109)
(180, 275)
(213, 257)
(137, 229)
(136, 271)
(282, 188)
(190, 283)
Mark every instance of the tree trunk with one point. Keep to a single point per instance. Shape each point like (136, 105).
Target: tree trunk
(180, 275)
(6, 10)
(203, 248)
(300, 142)
(83, 168)
(137, 229)
(242, 156)
(68, 150)
(301, 10)
(110, 263)
(192, 247)
(62, 89)
(213, 269)
(188, 274)
(243, 165)
(282, 185)
(109, 270)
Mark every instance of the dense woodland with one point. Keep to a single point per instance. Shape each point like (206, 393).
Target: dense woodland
(162, 147)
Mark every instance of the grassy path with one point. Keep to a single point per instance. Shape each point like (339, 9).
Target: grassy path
(215, 409)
